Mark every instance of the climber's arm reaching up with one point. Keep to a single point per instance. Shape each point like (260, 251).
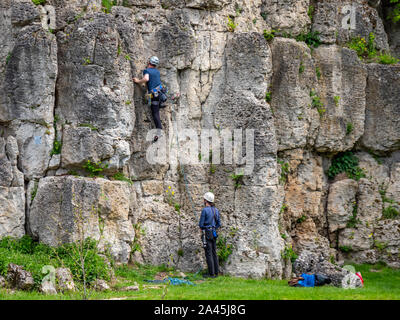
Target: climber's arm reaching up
(145, 79)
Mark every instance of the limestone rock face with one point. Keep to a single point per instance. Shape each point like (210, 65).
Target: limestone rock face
(386, 241)
(258, 250)
(302, 214)
(67, 208)
(382, 109)
(293, 78)
(341, 201)
(367, 210)
(67, 97)
(12, 192)
(287, 16)
(95, 91)
(30, 77)
(12, 212)
(28, 84)
(341, 89)
(316, 98)
(340, 21)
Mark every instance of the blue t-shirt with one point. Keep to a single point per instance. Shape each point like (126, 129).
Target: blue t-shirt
(154, 76)
(207, 218)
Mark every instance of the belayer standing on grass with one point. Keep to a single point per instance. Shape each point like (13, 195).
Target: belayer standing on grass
(156, 92)
(209, 223)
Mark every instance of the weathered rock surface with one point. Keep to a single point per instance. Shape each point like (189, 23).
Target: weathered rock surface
(67, 97)
(2, 282)
(95, 90)
(293, 78)
(64, 280)
(288, 16)
(67, 208)
(341, 21)
(12, 192)
(12, 212)
(341, 89)
(341, 202)
(382, 109)
(19, 278)
(30, 77)
(386, 241)
(100, 285)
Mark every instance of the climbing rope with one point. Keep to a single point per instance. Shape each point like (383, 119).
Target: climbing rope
(185, 180)
(173, 281)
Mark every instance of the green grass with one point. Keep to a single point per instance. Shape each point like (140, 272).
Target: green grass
(381, 285)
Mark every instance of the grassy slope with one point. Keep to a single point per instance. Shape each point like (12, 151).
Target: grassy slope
(384, 284)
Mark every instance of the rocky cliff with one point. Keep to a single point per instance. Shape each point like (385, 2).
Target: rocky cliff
(326, 123)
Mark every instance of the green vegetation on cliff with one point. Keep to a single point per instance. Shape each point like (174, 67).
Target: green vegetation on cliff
(366, 50)
(346, 162)
(394, 14)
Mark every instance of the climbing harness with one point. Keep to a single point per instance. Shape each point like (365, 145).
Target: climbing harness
(159, 92)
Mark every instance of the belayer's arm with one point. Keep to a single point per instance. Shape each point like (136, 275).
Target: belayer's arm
(202, 218)
(218, 221)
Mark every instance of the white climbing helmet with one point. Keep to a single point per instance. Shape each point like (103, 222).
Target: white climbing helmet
(154, 61)
(209, 196)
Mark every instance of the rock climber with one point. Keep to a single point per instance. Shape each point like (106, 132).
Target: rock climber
(209, 223)
(309, 280)
(156, 92)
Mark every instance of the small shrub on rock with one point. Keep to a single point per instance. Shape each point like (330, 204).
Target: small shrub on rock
(346, 162)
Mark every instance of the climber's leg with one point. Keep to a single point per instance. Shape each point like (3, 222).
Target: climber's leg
(155, 111)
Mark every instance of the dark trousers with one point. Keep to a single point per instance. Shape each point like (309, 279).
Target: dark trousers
(211, 257)
(155, 111)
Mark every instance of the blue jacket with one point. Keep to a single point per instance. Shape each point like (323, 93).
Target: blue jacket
(207, 218)
(309, 280)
